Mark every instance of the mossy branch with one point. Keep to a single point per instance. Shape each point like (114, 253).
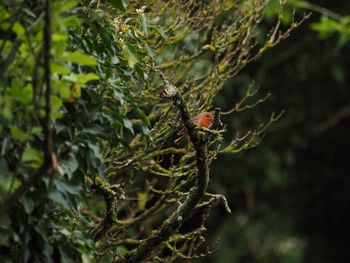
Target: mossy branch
(195, 194)
(111, 194)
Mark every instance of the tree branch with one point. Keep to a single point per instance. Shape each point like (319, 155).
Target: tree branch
(110, 193)
(337, 117)
(195, 194)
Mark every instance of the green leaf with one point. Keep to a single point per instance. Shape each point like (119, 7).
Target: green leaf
(69, 166)
(25, 95)
(95, 130)
(140, 72)
(68, 188)
(7, 110)
(59, 37)
(63, 89)
(96, 150)
(28, 204)
(18, 28)
(31, 154)
(119, 95)
(160, 32)
(57, 197)
(84, 78)
(4, 14)
(146, 131)
(120, 4)
(56, 103)
(37, 131)
(80, 58)
(29, 12)
(144, 24)
(68, 5)
(122, 250)
(59, 69)
(128, 124)
(18, 134)
(150, 51)
(130, 55)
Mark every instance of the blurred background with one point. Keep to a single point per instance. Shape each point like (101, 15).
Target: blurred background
(291, 195)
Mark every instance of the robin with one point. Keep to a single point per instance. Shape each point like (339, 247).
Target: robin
(202, 120)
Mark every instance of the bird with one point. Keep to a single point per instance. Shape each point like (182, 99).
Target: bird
(202, 120)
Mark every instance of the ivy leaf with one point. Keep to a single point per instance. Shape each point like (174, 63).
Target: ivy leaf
(96, 150)
(58, 197)
(69, 166)
(68, 188)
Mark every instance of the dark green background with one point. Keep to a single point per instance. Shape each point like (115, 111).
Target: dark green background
(291, 195)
